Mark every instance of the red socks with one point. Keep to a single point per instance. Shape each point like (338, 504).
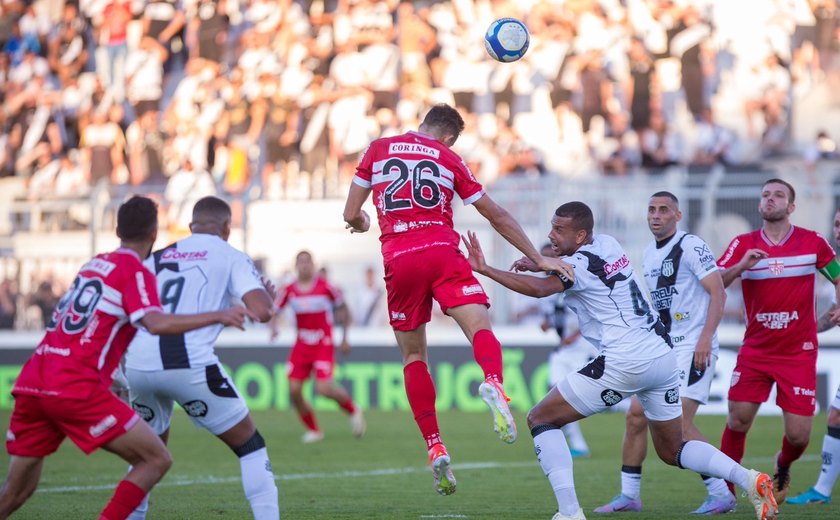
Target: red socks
(348, 406)
(420, 390)
(790, 453)
(309, 420)
(732, 443)
(127, 497)
(488, 354)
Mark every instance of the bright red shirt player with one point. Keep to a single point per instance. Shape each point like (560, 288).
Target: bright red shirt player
(63, 390)
(314, 300)
(777, 265)
(414, 178)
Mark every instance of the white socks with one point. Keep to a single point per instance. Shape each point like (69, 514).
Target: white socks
(830, 467)
(631, 481)
(715, 486)
(258, 483)
(556, 462)
(707, 460)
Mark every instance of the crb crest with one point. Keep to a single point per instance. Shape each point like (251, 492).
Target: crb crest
(611, 397)
(667, 267)
(776, 266)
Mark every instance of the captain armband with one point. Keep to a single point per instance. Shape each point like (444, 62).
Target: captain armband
(566, 282)
(831, 270)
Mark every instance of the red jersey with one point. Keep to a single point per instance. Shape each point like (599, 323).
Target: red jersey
(91, 327)
(414, 177)
(313, 309)
(779, 296)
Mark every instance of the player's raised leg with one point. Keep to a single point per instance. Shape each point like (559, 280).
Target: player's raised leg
(420, 390)
(305, 412)
(328, 388)
(474, 320)
(257, 478)
(545, 421)
(821, 492)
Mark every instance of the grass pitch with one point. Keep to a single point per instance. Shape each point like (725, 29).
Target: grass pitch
(384, 476)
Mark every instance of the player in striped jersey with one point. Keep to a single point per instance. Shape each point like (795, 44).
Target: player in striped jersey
(203, 272)
(777, 265)
(314, 300)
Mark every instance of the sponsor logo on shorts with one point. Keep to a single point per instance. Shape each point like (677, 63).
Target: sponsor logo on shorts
(103, 426)
(807, 392)
(611, 397)
(10, 436)
(397, 316)
(776, 320)
(808, 346)
(195, 408)
(143, 411)
(672, 396)
(472, 289)
(736, 376)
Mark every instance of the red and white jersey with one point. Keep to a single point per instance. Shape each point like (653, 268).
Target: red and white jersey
(779, 296)
(313, 309)
(91, 327)
(414, 177)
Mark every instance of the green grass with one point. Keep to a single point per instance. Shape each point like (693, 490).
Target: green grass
(383, 475)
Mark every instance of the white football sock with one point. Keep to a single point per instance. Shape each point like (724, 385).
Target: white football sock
(631, 481)
(556, 462)
(831, 465)
(575, 437)
(715, 486)
(707, 460)
(258, 482)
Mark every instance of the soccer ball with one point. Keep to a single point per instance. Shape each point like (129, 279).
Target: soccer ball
(506, 40)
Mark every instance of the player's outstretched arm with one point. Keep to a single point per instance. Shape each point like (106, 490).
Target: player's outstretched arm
(259, 303)
(537, 287)
(507, 226)
(160, 323)
(356, 218)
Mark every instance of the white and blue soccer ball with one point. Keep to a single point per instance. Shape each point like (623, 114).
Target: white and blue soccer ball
(506, 40)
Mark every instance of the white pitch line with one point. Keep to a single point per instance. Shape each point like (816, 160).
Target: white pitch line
(176, 480)
(184, 481)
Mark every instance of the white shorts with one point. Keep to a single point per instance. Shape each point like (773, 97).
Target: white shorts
(206, 393)
(836, 402)
(694, 385)
(569, 358)
(604, 383)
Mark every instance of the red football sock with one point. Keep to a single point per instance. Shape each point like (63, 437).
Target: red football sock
(790, 453)
(420, 390)
(348, 406)
(488, 354)
(308, 419)
(127, 497)
(732, 443)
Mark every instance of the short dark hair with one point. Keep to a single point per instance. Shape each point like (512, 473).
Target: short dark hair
(580, 214)
(212, 207)
(783, 183)
(667, 194)
(446, 118)
(137, 218)
(303, 252)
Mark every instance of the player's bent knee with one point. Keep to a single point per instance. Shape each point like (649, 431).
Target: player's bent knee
(255, 443)
(635, 422)
(833, 417)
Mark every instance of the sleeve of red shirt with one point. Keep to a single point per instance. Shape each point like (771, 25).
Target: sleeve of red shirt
(733, 253)
(282, 298)
(139, 294)
(335, 294)
(825, 253)
(466, 185)
(364, 170)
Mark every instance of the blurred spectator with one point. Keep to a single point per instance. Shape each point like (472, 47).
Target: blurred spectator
(821, 148)
(239, 129)
(210, 27)
(186, 187)
(114, 31)
(144, 74)
(163, 21)
(8, 303)
(713, 142)
(281, 137)
(42, 301)
(661, 146)
(370, 302)
(102, 145)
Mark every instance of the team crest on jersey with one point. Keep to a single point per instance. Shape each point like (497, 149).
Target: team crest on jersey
(668, 267)
(611, 397)
(195, 408)
(776, 266)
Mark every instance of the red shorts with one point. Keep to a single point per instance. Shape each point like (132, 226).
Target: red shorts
(796, 383)
(39, 424)
(414, 279)
(305, 358)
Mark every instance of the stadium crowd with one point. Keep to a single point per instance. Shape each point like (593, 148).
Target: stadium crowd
(277, 98)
